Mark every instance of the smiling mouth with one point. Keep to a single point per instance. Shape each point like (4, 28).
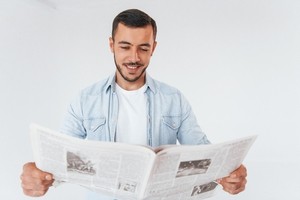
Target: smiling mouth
(133, 65)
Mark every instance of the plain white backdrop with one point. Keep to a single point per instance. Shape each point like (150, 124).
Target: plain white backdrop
(236, 61)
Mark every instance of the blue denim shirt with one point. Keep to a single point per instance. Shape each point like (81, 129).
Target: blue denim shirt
(93, 115)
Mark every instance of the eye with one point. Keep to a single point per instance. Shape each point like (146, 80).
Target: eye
(124, 47)
(144, 49)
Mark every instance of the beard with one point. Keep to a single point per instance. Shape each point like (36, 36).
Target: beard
(126, 77)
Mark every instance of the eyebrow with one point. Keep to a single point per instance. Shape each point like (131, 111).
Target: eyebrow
(128, 43)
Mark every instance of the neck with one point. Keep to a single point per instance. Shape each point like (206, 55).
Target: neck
(127, 85)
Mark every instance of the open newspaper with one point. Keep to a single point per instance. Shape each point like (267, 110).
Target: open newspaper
(135, 172)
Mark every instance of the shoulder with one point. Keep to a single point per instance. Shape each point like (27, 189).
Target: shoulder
(168, 94)
(97, 88)
(163, 88)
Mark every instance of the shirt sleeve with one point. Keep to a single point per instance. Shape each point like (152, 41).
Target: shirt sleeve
(73, 121)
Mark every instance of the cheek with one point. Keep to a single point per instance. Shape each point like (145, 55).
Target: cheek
(121, 55)
(146, 58)
(118, 57)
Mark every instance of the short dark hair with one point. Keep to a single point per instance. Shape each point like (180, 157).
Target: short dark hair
(133, 18)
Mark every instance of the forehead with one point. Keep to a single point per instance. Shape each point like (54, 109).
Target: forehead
(134, 34)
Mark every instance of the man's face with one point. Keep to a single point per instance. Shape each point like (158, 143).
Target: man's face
(132, 49)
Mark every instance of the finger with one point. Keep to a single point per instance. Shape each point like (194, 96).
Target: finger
(235, 191)
(236, 176)
(239, 172)
(233, 188)
(45, 176)
(233, 180)
(36, 185)
(30, 169)
(34, 193)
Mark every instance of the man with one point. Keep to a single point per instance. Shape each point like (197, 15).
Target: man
(130, 106)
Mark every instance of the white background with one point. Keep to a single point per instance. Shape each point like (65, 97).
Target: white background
(237, 61)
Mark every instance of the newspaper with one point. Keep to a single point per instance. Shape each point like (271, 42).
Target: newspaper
(136, 172)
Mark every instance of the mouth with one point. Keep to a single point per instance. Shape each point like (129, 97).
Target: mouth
(132, 66)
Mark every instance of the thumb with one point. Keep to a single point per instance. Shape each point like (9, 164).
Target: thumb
(48, 177)
(36, 172)
(44, 175)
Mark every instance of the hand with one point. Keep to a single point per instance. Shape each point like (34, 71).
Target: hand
(35, 182)
(236, 181)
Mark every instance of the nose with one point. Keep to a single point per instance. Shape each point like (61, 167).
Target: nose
(134, 56)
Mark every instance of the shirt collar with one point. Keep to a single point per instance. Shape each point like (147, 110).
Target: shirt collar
(111, 83)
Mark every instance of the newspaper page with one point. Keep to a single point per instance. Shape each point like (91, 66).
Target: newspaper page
(135, 172)
(188, 172)
(114, 169)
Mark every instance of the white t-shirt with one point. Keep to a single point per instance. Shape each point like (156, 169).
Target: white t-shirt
(132, 116)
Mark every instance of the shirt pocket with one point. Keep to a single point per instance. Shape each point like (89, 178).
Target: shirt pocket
(170, 126)
(95, 128)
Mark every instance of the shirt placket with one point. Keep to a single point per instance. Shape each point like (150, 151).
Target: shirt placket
(114, 109)
(149, 118)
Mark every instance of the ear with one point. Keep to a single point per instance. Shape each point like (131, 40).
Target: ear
(154, 46)
(111, 44)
